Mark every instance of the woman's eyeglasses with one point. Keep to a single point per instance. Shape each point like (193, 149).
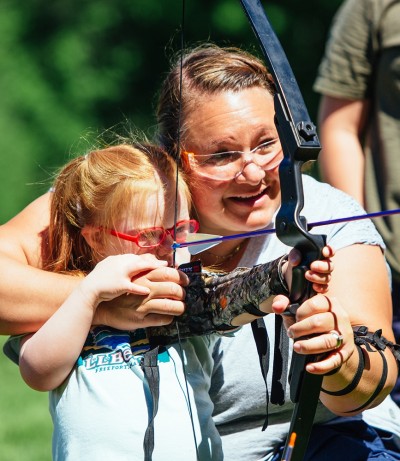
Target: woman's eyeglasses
(229, 165)
(153, 237)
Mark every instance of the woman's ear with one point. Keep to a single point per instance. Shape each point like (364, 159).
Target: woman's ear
(93, 237)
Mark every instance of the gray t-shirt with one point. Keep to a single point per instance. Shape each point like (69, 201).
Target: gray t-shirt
(237, 386)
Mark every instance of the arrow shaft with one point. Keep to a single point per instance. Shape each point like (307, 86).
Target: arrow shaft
(219, 239)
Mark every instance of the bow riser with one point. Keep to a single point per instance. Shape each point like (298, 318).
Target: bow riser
(300, 143)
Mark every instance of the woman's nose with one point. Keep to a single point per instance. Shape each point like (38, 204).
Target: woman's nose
(251, 174)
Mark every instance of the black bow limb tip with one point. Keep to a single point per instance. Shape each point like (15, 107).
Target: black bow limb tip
(300, 143)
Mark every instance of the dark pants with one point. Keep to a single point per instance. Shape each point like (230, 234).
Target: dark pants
(396, 328)
(350, 439)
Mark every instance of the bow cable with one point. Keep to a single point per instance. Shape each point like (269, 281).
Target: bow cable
(176, 214)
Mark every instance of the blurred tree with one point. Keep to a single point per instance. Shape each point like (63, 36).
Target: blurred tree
(70, 69)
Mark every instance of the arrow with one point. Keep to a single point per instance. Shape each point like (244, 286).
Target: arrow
(201, 242)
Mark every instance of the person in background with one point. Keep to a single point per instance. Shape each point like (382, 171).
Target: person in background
(359, 119)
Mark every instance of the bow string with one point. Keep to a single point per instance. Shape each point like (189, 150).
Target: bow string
(300, 143)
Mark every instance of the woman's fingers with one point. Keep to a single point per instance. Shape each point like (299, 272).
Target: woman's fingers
(167, 274)
(328, 251)
(329, 362)
(164, 282)
(161, 306)
(319, 273)
(280, 303)
(320, 282)
(322, 327)
(319, 344)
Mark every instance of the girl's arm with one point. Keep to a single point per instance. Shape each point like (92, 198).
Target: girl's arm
(48, 356)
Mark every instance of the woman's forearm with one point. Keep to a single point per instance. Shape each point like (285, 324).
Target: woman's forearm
(29, 296)
(224, 301)
(351, 390)
(365, 295)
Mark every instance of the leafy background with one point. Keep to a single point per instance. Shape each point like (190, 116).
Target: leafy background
(71, 69)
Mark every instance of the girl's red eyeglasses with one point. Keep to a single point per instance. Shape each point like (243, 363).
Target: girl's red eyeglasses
(154, 236)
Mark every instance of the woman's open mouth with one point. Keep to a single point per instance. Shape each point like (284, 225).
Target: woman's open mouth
(249, 200)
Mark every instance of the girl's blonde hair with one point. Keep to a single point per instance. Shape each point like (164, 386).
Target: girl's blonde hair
(97, 190)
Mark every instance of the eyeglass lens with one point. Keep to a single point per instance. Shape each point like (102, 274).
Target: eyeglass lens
(155, 236)
(228, 165)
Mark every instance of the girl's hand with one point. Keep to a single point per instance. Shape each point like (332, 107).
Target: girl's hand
(114, 276)
(164, 301)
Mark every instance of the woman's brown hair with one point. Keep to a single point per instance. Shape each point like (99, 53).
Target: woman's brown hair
(207, 69)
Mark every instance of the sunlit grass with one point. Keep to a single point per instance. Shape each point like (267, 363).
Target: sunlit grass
(25, 424)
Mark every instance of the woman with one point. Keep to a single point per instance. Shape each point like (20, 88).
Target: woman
(230, 149)
(230, 107)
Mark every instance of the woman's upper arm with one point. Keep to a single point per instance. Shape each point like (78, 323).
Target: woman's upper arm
(21, 236)
(28, 295)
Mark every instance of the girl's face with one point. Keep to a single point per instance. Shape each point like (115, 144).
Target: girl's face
(233, 121)
(159, 213)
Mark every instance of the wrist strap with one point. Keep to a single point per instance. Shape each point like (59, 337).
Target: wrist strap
(363, 337)
(353, 384)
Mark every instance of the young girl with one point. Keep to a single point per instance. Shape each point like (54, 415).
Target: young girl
(112, 219)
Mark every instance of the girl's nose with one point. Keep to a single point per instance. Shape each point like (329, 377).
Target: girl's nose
(165, 251)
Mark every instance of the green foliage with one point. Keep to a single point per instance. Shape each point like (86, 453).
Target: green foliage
(69, 68)
(25, 424)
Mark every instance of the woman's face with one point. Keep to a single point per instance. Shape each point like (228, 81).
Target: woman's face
(233, 121)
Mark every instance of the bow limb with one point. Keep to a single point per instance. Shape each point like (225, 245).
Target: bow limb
(299, 143)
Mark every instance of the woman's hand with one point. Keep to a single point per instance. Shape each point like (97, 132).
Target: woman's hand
(319, 273)
(322, 328)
